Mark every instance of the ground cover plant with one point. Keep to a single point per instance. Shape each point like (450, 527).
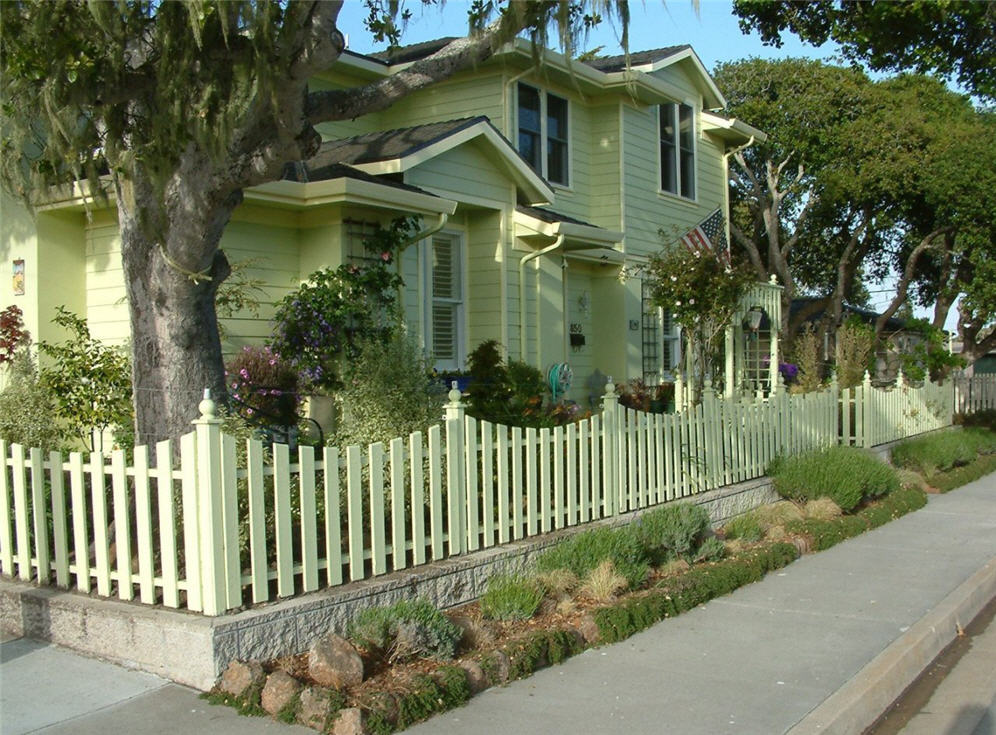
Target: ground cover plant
(943, 451)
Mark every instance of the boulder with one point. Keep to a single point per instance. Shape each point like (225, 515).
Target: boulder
(349, 722)
(333, 662)
(314, 709)
(240, 678)
(588, 630)
(279, 690)
(475, 676)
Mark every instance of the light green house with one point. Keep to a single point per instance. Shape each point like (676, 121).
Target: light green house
(540, 189)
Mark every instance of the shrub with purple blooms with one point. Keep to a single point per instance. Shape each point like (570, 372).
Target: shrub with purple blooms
(789, 372)
(323, 322)
(262, 387)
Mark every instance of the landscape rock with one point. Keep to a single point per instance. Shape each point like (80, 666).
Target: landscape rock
(588, 629)
(240, 678)
(349, 722)
(500, 665)
(314, 708)
(333, 662)
(475, 676)
(278, 692)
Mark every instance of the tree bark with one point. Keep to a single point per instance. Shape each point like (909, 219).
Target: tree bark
(172, 269)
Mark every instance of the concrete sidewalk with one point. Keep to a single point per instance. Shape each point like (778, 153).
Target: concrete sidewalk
(823, 645)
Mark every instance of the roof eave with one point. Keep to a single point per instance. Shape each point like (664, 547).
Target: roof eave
(731, 130)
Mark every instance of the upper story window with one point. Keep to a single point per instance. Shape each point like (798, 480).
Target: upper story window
(543, 133)
(447, 314)
(677, 138)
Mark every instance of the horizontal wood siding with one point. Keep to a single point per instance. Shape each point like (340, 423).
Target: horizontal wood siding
(466, 95)
(484, 302)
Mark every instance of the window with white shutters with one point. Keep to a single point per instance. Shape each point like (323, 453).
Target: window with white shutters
(447, 302)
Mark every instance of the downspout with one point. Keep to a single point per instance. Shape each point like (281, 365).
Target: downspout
(563, 292)
(522, 293)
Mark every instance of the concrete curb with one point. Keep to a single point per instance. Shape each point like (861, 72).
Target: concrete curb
(862, 700)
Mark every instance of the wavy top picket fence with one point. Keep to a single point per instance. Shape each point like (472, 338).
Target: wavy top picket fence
(233, 524)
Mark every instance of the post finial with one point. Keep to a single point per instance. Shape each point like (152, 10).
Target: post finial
(207, 407)
(454, 394)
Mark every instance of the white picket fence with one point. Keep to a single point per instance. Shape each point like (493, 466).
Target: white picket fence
(235, 525)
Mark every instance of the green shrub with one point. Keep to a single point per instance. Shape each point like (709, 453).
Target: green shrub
(444, 689)
(985, 418)
(671, 531)
(712, 549)
(584, 551)
(511, 597)
(963, 475)
(846, 475)
(539, 649)
(827, 533)
(942, 451)
(27, 409)
(406, 629)
(745, 527)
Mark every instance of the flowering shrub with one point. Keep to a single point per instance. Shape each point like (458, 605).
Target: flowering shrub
(12, 333)
(262, 386)
(323, 321)
(789, 372)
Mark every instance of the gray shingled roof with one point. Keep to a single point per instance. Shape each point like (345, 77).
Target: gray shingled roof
(312, 170)
(618, 63)
(385, 145)
(417, 51)
(548, 215)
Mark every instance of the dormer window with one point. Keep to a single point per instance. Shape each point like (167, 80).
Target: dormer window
(677, 143)
(543, 133)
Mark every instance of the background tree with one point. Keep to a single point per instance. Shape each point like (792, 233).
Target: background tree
(953, 38)
(859, 180)
(174, 108)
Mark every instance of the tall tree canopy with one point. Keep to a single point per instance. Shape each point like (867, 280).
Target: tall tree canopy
(858, 178)
(953, 38)
(174, 108)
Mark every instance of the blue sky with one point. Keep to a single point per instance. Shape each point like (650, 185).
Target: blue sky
(713, 31)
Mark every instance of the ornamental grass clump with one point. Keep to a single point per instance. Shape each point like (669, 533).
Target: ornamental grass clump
(847, 475)
(512, 597)
(406, 630)
(584, 551)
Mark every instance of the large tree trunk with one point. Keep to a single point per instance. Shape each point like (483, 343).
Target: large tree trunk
(176, 349)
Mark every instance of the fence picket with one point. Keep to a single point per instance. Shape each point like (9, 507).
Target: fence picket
(488, 483)
(378, 550)
(122, 524)
(584, 488)
(354, 511)
(597, 436)
(572, 475)
(504, 520)
(6, 537)
(531, 500)
(59, 533)
(230, 523)
(333, 529)
(167, 522)
(418, 498)
(309, 518)
(471, 507)
(21, 527)
(398, 542)
(102, 564)
(282, 520)
(545, 509)
(517, 483)
(81, 538)
(559, 502)
(435, 493)
(143, 526)
(258, 563)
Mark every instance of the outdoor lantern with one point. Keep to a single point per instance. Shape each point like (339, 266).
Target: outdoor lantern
(754, 318)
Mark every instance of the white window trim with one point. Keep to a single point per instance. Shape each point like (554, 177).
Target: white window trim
(677, 149)
(544, 136)
(425, 278)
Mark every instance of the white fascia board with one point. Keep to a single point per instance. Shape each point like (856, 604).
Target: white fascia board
(361, 63)
(75, 196)
(731, 129)
(655, 90)
(536, 189)
(526, 225)
(302, 195)
(718, 101)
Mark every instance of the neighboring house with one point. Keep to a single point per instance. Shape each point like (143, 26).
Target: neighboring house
(537, 188)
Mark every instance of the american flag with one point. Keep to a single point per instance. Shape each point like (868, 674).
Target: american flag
(709, 236)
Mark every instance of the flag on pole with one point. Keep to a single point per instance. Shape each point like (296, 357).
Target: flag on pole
(709, 236)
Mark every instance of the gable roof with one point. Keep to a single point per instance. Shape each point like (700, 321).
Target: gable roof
(640, 58)
(395, 151)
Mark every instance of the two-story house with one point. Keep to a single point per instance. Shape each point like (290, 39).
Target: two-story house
(539, 189)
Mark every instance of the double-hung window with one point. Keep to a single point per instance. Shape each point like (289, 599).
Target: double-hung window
(543, 127)
(677, 149)
(446, 303)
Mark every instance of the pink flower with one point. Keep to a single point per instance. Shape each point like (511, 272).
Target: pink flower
(385, 256)
(249, 411)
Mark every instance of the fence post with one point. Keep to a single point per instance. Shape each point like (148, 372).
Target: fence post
(455, 478)
(208, 509)
(679, 391)
(713, 465)
(610, 460)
